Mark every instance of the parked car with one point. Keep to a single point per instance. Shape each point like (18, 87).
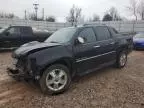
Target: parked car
(138, 41)
(14, 36)
(70, 52)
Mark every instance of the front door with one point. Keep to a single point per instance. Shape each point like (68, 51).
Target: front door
(11, 38)
(86, 52)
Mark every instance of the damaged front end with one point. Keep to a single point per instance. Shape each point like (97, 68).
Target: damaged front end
(24, 63)
(20, 69)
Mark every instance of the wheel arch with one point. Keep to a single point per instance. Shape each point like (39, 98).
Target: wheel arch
(68, 62)
(122, 48)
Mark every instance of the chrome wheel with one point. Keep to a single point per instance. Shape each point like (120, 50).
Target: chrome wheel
(56, 79)
(123, 59)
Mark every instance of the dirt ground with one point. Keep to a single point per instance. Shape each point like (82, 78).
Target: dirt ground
(106, 88)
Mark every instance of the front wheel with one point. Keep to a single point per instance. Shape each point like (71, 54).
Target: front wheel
(121, 59)
(56, 79)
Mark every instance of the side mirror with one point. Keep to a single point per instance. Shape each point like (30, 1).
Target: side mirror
(81, 40)
(7, 33)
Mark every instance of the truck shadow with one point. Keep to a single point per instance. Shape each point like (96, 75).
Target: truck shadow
(94, 73)
(6, 50)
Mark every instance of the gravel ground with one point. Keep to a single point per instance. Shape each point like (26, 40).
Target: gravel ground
(106, 88)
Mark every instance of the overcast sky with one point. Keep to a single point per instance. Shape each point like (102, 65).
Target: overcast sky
(60, 8)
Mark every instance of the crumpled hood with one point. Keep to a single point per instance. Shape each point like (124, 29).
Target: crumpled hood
(33, 46)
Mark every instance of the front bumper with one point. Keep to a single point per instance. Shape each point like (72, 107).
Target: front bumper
(18, 69)
(23, 69)
(16, 73)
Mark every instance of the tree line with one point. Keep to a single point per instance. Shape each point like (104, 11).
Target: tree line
(30, 16)
(135, 8)
(7, 15)
(75, 16)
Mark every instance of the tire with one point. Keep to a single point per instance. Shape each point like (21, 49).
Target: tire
(51, 87)
(119, 62)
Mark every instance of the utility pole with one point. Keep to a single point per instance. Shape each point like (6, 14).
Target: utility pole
(36, 8)
(43, 13)
(25, 15)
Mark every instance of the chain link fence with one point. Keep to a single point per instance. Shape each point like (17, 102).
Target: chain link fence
(121, 26)
(51, 26)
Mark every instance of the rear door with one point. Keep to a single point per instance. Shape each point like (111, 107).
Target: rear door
(106, 45)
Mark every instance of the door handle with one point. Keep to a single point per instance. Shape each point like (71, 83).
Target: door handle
(112, 43)
(7, 41)
(97, 46)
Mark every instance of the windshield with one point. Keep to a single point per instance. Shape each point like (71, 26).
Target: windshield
(62, 36)
(139, 36)
(1, 30)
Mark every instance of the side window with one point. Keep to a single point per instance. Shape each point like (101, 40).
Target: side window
(102, 33)
(88, 35)
(14, 30)
(26, 30)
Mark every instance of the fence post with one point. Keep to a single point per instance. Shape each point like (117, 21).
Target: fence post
(133, 26)
(64, 25)
(119, 26)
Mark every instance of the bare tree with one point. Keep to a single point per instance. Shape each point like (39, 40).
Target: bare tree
(7, 15)
(96, 18)
(11, 15)
(74, 15)
(114, 14)
(2, 15)
(133, 8)
(32, 16)
(82, 19)
(140, 9)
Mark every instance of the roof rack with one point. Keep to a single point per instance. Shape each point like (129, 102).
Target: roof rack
(93, 24)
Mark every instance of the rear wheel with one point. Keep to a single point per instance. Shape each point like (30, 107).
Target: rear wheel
(121, 59)
(56, 79)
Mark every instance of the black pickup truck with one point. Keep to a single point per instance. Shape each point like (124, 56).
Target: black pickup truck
(70, 52)
(14, 36)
